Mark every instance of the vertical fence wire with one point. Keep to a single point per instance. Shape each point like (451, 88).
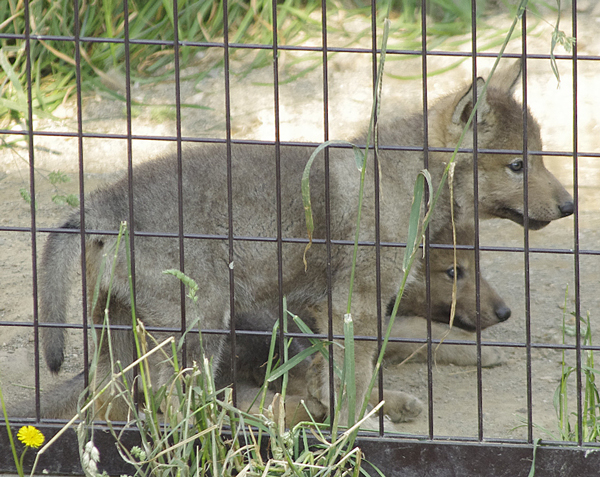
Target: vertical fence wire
(476, 93)
(176, 72)
(430, 357)
(230, 231)
(130, 175)
(80, 155)
(33, 207)
(379, 317)
(328, 250)
(526, 233)
(576, 230)
(277, 158)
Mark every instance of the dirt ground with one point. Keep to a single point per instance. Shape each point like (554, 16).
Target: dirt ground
(454, 388)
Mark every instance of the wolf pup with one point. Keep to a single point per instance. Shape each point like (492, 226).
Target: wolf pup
(253, 205)
(252, 351)
(410, 322)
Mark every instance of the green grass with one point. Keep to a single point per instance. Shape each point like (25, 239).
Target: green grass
(52, 67)
(53, 75)
(188, 427)
(568, 421)
(567, 418)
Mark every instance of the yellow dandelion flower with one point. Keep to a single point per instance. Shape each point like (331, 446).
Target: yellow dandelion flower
(31, 436)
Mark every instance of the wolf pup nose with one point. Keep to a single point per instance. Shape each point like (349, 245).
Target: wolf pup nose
(567, 208)
(503, 313)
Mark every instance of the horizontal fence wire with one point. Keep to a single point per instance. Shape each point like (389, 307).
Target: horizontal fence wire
(316, 49)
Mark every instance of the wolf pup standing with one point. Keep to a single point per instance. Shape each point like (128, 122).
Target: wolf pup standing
(254, 213)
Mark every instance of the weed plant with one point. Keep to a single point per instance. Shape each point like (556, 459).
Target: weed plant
(55, 178)
(200, 22)
(189, 427)
(568, 421)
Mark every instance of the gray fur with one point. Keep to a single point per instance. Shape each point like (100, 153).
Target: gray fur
(59, 265)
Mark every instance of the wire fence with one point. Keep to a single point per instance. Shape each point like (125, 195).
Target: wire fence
(508, 405)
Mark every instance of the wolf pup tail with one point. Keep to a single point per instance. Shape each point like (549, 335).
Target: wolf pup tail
(57, 403)
(59, 261)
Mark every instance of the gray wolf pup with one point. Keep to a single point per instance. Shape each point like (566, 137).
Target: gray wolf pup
(410, 322)
(258, 198)
(252, 351)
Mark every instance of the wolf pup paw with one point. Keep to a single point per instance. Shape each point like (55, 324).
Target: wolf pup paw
(492, 357)
(401, 407)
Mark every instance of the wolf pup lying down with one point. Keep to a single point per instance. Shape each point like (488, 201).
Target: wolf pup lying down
(252, 352)
(410, 322)
(254, 213)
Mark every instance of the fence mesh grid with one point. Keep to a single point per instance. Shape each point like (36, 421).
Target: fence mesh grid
(256, 107)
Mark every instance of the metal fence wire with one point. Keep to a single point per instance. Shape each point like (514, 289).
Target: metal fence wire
(490, 392)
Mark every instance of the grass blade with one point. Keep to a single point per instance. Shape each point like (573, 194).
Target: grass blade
(290, 363)
(349, 366)
(536, 444)
(310, 227)
(414, 222)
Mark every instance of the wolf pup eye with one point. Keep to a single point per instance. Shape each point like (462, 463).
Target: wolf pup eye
(516, 165)
(459, 272)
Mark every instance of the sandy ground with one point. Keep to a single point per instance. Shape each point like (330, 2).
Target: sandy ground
(454, 388)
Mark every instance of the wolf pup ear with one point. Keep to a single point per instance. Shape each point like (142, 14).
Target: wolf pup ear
(464, 107)
(507, 78)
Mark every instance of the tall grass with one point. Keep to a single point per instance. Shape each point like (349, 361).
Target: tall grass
(189, 427)
(52, 60)
(568, 420)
